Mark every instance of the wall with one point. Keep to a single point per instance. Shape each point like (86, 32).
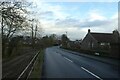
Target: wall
(88, 41)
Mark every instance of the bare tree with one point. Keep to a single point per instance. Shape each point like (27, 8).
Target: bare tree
(35, 30)
(65, 40)
(13, 19)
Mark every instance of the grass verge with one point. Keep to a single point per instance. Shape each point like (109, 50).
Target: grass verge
(37, 69)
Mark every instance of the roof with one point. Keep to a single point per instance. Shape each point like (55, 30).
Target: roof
(103, 37)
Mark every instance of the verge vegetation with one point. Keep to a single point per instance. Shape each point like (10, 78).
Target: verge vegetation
(37, 68)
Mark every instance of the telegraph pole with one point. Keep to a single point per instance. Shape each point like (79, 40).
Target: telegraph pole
(35, 31)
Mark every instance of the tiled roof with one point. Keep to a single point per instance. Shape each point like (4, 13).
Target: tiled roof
(103, 37)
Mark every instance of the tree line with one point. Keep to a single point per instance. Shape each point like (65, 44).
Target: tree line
(15, 20)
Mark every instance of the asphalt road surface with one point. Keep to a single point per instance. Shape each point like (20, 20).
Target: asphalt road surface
(62, 64)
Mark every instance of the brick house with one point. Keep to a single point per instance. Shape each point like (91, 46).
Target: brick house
(106, 42)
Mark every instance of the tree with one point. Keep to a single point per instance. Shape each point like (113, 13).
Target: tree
(13, 19)
(34, 30)
(53, 38)
(65, 40)
(48, 41)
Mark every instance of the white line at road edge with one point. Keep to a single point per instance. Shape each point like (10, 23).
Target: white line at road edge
(68, 59)
(91, 73)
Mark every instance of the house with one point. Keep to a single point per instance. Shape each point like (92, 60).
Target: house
(106, 42)
(74, 44)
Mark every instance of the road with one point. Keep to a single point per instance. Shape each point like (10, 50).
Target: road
(62, 64)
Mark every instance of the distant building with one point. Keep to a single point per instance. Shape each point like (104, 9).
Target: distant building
(74, 44)
(107, 42)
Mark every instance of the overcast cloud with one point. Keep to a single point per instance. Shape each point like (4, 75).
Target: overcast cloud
(76, 18)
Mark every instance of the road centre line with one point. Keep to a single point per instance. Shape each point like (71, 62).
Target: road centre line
(68, 59)
(91, 73)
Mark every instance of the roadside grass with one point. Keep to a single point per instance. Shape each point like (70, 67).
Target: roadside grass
(37, 69)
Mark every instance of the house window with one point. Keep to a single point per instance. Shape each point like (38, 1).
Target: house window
(108, 44)
(102, 44)
(92, 45)
(105, 46)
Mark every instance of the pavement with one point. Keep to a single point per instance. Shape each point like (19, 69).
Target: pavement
(59, 63)
(97, 57)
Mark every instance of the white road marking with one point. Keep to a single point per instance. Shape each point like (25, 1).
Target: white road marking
(91, 73)
(68, 59)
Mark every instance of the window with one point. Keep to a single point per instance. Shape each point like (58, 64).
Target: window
(102, 44)
(92, 45)
(105, 46)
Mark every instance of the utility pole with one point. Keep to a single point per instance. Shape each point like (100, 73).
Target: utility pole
(32, 32)
(35, 31)
(35, 34)
(32, 37)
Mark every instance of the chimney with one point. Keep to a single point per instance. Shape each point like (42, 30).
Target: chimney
(115, 32)
(116, 35)
(88, 30)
